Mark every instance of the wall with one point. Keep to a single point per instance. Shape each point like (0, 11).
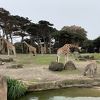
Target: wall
(3, 88)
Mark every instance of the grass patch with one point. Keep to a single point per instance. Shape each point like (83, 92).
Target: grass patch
(97, 56)
(16, 89)
(38, 59)
(44, 59)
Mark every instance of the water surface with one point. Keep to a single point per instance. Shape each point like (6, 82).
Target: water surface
(65, 94)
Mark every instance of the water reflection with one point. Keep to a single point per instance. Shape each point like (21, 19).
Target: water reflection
(58, 98)
(74, 98)
(67, 98)
(34, 98)
(65, 94)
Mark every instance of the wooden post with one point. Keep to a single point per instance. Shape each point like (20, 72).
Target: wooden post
(3, 88)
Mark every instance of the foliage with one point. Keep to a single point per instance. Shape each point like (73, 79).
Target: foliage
(88, 46)
(75, 29)
(71, 34)
(96, 43)
(4, 21)
(96, 56)
(43, 31)
(91, 46)
(20, 47)
(15, 89)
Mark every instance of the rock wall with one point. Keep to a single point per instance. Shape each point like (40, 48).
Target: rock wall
(3, 88)
(62, 84)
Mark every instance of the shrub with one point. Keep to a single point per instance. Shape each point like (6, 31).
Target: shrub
(15, 89)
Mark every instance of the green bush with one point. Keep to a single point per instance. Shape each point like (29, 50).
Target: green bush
(15, 89)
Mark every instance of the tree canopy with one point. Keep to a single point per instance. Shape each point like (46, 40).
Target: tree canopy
(71, 34)
(15, 25)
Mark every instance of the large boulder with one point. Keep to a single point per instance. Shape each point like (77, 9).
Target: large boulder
(55, 66)
(70, 66)
(3, 88)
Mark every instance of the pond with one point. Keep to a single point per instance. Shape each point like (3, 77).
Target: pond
(64, 94)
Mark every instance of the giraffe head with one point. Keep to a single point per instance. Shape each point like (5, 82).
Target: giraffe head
(23, 41)
(73, 47)
(76, 47)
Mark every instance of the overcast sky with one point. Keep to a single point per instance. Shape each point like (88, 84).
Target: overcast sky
(84, 13)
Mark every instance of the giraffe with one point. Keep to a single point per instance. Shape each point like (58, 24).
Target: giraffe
(65, 50)
(10, 46)
(31, 48)
(91, 68)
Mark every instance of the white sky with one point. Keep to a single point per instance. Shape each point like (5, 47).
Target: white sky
(84, 13)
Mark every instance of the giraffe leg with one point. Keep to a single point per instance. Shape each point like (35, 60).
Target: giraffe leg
(30, 52)
(14, 51)
(58, 57)
(34, 53)
(65, 59)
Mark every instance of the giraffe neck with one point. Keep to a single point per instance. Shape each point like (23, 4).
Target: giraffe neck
(27, 44)
(7, 42)
(67, 46)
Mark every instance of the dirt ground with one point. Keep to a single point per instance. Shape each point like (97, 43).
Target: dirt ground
(41, 73)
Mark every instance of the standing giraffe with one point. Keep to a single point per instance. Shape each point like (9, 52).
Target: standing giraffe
(31, 48)
(10, 46)
(65, 50)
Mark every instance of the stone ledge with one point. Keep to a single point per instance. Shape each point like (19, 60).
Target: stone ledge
(33, 86)
(3, 88)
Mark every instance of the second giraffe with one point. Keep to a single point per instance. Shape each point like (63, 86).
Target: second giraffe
(31, 48)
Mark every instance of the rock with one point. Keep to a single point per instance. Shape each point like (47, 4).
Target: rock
(55, 66)
(3, 88)
(86, 57)
(15, 66)
(69, 66)
(82, 59)
(2, 63)
(6, 59)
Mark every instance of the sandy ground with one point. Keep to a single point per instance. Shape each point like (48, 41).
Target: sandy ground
(32, 72)
(39, 73)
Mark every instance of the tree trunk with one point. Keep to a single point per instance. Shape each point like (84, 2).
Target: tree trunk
(50, 44)
(99, 49)
(22, 45)
(11, 38)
